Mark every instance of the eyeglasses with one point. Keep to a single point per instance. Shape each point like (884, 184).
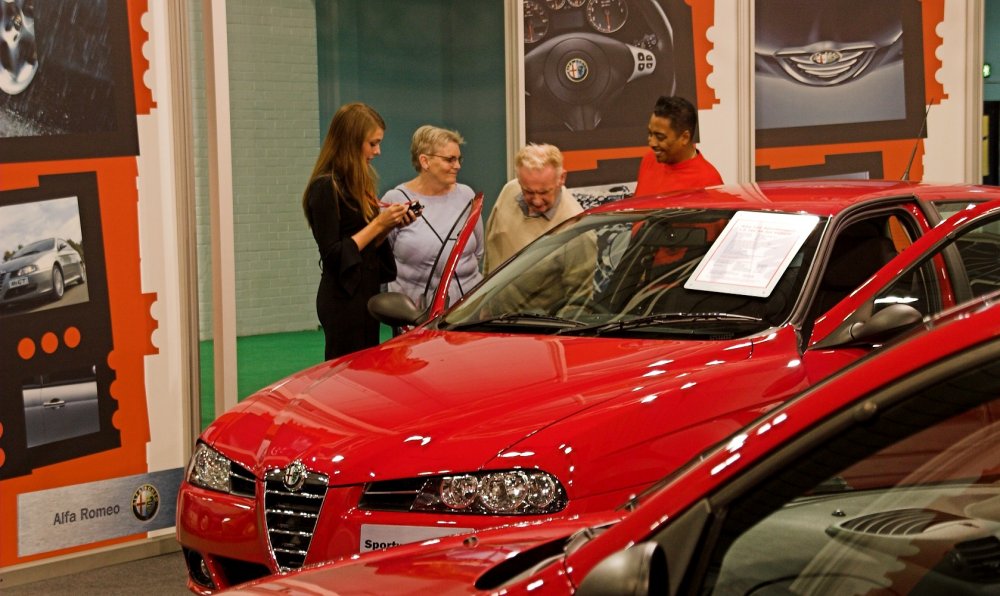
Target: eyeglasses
(451, 159)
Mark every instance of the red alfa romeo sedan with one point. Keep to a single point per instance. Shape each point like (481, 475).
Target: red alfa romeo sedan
(882, 479)
(610, 351)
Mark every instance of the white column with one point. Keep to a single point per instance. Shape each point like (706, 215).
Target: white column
(220, 167)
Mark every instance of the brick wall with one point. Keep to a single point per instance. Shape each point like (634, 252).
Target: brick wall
(275, 138)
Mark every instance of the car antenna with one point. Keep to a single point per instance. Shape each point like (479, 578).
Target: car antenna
(916, 143)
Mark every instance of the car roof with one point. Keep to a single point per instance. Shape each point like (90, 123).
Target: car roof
(819, 197)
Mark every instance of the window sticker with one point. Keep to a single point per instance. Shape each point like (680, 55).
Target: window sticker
(752, 253)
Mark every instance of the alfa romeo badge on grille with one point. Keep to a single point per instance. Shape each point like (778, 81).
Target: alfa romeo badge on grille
(826, 57)
(294, 476)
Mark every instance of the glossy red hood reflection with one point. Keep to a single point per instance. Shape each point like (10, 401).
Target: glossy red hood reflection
(432, 402)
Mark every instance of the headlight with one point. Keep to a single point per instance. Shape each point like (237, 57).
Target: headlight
(27, 269)
(508, 492)
(209, 469)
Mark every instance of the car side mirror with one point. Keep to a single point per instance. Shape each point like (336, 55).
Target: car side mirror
(635, 571)
(886, 324)
(394, 309)
(875, 329)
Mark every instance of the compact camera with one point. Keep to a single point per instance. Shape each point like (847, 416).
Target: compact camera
(415, 207)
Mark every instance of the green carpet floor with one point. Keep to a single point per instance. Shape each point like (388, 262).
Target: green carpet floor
(261, 360)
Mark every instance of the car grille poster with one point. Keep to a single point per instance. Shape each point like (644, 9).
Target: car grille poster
(80, 465)
(843, 88)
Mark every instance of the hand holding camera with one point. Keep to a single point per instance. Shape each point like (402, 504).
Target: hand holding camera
(413, 210)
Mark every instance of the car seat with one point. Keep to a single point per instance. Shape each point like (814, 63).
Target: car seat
(858, 253)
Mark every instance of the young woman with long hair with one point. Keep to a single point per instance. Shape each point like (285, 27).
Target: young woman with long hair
(342, 208)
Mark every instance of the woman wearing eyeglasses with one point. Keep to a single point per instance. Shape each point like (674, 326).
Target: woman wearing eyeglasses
(422, 249)
(350, 229)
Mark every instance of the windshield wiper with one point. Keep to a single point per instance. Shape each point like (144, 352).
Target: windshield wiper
(660, 318)
(514, 317)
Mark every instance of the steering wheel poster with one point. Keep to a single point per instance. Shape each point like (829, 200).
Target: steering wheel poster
(593, 69)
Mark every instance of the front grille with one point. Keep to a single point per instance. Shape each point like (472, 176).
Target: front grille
(291, 516)
(241, 481)
(391, 495)
(20, 290)
(826, 68)
(900, 522)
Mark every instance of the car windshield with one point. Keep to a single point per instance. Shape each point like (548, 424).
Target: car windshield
(624, 274)
(34, 248)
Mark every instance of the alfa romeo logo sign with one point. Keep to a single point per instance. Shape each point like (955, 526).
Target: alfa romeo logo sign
(145, 502)
(577, 70)
(294, 476)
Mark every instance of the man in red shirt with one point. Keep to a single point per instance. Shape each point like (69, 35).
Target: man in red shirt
(673, 162)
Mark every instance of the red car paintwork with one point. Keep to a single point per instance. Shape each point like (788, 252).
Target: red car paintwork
(607, 416)
(453, 565)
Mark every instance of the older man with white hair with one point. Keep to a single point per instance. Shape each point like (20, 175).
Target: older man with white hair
(529, 205)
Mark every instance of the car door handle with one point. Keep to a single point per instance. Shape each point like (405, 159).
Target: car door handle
(54, 404)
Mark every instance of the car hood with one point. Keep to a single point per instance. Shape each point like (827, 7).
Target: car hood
(432, 402)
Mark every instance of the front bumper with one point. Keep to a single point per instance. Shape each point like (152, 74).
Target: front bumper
(226, 541)
(25, 287)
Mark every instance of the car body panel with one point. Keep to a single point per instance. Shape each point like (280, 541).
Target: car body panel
(605, 415)
(236, 532)
(559, 377)
(454, 565)
(791, 421)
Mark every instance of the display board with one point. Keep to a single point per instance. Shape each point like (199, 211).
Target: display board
(863, 100)
(844, 89)
(55, 395)
(66, 85)
(81, 200)
(593, 72)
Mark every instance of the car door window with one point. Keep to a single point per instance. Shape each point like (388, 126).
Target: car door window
(444, 294)
(948, 208)
(971, 262)
(904, 501)
(860, 249)
(979, 250)
(918, 287)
